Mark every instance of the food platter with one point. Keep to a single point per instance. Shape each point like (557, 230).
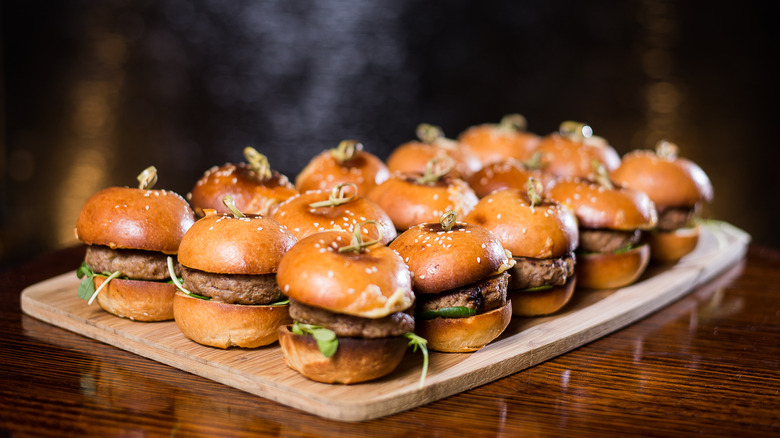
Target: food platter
(527, 341)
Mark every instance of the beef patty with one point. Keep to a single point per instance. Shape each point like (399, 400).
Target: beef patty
(529, 272)
(671, 219)
(232, 289)
(132, 263)
(482, 296)
(602, 240)
(395, 324)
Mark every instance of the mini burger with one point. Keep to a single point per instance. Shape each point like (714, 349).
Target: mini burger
(460, 282)
(491, 142)
(542, 236)
(348, 163)
(413, 156)
(130, 232)
(678, 187)
(229, 295)
(350, 300)
(571, 151)
(611, 220)
(339, 208)
(254, 186)
(414, 198)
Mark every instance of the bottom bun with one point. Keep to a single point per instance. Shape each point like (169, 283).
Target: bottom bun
(462, 335)
(356, 359)
(228, 325)
(541, 302)
(611, 270)
(137, 299)
(671, 246)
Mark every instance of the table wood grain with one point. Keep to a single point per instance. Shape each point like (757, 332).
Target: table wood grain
(708, 364)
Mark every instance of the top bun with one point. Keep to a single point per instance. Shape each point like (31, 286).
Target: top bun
(545, 230)
(492, 142)
(669, 182)
(564, 156)
(443, 260)
(302, 219)
(413, 156)
(251, 193)
(346, 164)
(131, 218)
(506, 174)
(372, 283)
(225, 244)
(596, 206)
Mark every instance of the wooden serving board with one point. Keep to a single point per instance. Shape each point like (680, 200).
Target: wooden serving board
(526, 342)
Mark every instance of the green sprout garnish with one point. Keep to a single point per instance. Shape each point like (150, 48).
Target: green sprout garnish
(535, 189)
(338, 196)
(436, 168)
(429, 133)
(258, 162)
(346, 150)
(148, 178)
(416, 342)
(357, 244)
(87, 289)
(514, 122)
(447, 312)
(326, 339)
(178, 284)
(230, 203)
(447, 220)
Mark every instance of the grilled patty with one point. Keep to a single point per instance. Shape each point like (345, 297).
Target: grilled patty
(529, 272)
(673, 218)
(601, 240)
(233, 289)
(395, 324)
(482, 296)
(132, 263)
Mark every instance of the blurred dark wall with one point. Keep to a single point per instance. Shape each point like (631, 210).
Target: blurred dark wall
(95, 91)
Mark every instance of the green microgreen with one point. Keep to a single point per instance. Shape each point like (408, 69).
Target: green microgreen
(177, 281)
(447, 312)
(416, 342)
(326, 339)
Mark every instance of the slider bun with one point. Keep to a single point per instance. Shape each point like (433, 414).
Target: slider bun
(462, 335)
(225, 325)
(565, 157)
(324, 171)
(131, 218)
(671, 246)
(611, 270)
(543, 301)
(136, 299)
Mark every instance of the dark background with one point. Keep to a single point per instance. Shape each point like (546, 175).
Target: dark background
(95, 91)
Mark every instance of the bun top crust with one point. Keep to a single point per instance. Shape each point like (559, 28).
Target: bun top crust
(131, 218)
(668, 182)
(564, 157)
(251, 194)
(372, 283)
(509, 173)
(413, 157)
(225, 244)
(409, 203)
(324, 171)
(596, 206)
(544, 231)
(442, 260)
(491, 142)
(303, 220)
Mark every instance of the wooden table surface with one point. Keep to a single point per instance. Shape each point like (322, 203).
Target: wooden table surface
(708, 364)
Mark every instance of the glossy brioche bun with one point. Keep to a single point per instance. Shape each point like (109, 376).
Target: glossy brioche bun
(413, 156)
(224, 244)
(462, 335)
(372, 283)
(136, 299)
(671, 246)
(409, 203)
(250, 192)
(491, 142)
(303, 220)
(564, 157)
(225, 325)
(611, 270)
(668, 182)
(444, 260)
(506, 174)
(356, 359)
(329, 168)
(547, 230)
(526, 303)
(131, 218)
(596, 206)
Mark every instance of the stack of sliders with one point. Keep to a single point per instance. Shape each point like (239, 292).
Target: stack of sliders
(229, 296)
(130, 232)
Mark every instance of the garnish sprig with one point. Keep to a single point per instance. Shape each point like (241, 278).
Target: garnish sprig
(415, 342)
(535, 190)
(575, 130)
(436, 168)
(148, 178)
(666, 150)
(346, 150)
(601, 175)
(448, 220)
(357, 244)
(327, 341)
(338, 196)
(429, 134)
(258, 162)
(230, 203)
(513, 122)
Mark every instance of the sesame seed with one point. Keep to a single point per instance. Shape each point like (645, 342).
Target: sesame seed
(479, 260)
